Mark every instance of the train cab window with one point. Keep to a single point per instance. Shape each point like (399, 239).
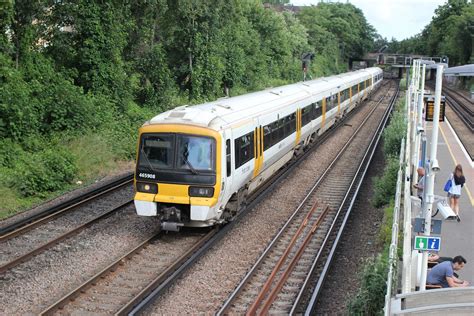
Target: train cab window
(157, 151)
(195, 152)
(244, 150)
(228, 157)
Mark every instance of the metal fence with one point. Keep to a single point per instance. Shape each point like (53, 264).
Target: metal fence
(392, 276)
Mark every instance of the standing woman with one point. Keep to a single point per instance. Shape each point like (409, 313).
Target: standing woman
(454, 193)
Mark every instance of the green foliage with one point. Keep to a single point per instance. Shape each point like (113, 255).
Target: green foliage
(448, 33)
(45, 171)
(371, 296)
(403, 84)
(385, 233)
(395, 131)
(385, 186)
(338, 26)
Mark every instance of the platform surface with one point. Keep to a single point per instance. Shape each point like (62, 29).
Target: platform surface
(457, 238)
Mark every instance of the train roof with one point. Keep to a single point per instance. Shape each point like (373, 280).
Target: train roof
(228, 111)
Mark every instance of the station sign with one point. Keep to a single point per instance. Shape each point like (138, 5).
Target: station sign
(427, 243)
(429, 108)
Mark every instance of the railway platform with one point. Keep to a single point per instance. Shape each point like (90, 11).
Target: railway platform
(457, 238)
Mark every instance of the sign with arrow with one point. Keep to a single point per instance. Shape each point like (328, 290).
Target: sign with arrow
(427, 243)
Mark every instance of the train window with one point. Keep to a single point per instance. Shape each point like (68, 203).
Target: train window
(267, 137)
(306, 115)
(244, 150)
(228, 157)
(318, 110)
(331, 102)
(289, 124)
(345, 95)
(195, 152)
(292, 123)
(157, 151)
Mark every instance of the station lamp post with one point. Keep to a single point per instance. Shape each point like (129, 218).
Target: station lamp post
(433, 168)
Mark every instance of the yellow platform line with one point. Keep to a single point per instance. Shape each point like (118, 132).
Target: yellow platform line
(455, 162)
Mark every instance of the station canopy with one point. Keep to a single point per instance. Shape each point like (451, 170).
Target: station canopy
(460, 71)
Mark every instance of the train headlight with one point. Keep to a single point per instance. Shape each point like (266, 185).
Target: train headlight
(201, 191)
(147, 187)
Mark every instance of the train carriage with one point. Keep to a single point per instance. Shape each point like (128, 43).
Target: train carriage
(197, 164)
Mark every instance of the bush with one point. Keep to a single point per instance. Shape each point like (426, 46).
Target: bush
(385, 186)
(394, 133)
(46, 171)
(371, 297)
(403, 84)
(385, 233)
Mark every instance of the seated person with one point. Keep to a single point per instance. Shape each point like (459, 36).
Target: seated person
(420, 186)
(432, 257)
(443, 273)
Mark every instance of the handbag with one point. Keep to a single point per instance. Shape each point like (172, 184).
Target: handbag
(448, 185)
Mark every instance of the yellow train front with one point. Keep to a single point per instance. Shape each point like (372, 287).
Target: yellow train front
(177, 174)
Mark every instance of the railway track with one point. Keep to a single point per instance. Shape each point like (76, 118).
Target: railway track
(129, 279)
(460, 116)
(281, 281)
(31, 236)
(463, 107)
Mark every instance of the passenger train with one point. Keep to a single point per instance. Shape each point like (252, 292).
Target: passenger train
(196, 165)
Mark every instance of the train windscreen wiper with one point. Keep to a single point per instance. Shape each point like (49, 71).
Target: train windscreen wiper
(143, 154)
(191, 168)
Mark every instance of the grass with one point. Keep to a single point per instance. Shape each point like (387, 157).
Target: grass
(95, 157)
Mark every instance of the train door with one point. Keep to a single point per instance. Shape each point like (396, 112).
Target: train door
(258, 148)
(227, 165)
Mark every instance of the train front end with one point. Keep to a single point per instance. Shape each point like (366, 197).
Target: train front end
(177, 176)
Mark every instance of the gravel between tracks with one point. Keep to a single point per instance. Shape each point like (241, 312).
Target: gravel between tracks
(208, 283)
(32, 285)
(354, 247)
(23, 243)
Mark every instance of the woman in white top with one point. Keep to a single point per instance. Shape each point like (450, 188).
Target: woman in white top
(454, 193)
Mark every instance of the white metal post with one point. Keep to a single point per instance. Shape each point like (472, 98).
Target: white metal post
(419, 115)
(406, 269)
(429, 195)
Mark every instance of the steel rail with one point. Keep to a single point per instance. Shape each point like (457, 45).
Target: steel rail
(360, 175)
(267, 187)
(28, 223)
(15, 262)
(462, 112)
(71, 296)
(286, 274)
(236, 292)
(284, 256)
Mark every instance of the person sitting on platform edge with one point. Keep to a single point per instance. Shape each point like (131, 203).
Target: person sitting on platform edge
(421, 183)
(443, 273)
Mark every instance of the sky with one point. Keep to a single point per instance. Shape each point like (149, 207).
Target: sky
(392, 18)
